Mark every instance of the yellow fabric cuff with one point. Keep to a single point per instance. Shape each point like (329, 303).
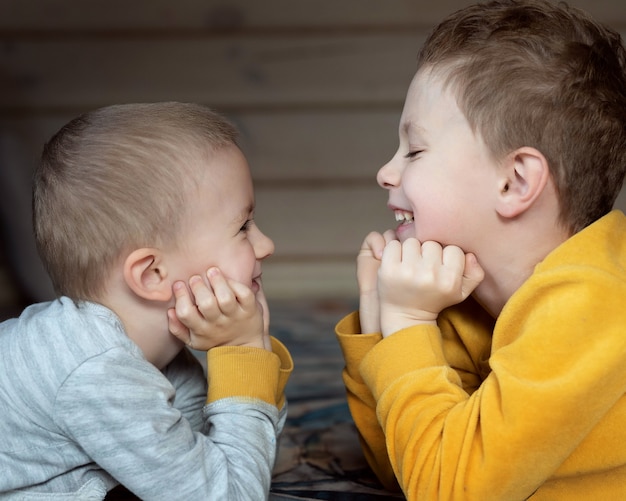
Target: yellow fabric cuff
(354, 345)
(244, 372)
(286, 368)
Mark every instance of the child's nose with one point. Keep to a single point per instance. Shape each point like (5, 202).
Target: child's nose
(263, 246)
(389, 175)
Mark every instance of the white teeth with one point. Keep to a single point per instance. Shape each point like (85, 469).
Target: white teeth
(404, 216)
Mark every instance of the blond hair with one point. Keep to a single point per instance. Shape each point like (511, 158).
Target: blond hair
(534, 73)
(116, 179)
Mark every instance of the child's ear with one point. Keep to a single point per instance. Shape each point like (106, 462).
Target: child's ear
(524, 177)
(146, 275)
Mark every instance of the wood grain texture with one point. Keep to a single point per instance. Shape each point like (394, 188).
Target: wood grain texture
(316, 88)
(215, 16)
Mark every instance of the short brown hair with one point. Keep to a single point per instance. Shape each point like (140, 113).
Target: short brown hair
(116, 179)
(534, 73)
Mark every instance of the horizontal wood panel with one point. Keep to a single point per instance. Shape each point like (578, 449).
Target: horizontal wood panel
(316, 88)
(288, 149)
(214, 15)
(233, 74)
(322, 223)
(309, 279)
(318, 145)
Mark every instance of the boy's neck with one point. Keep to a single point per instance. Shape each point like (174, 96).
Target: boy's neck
(521, 247)
(145, 323)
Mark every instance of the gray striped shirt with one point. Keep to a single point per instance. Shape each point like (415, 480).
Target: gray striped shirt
(82, 410)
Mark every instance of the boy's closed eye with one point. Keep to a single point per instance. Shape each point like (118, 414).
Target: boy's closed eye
(246, 226)
(413, 154)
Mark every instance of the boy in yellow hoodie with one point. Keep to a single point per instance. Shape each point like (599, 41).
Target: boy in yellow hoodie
(488, 357)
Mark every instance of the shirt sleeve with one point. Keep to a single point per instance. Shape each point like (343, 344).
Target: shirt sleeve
(361, 402)
(233, 365)
(466, 342)
(131, 428)
(186, 375)
(560, 358)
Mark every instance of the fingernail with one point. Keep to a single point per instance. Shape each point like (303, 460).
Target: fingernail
(212, 272)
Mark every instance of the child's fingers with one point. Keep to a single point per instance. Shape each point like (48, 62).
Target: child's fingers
(204, 298)
(413, 251)
(374, 244)
(224, 294)
(392, 252)
(243, 294)
(185, 307)
(453, 258)
(388, 236)
(265, 311)
(260, 297)
(185, 317)
(472, 275)
(176, 328)
(453, 261)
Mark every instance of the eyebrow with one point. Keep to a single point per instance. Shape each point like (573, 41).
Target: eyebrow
(244, 214)
(406, 126)
(410, 124)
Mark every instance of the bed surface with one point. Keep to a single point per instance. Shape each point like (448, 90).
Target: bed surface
(319, 454)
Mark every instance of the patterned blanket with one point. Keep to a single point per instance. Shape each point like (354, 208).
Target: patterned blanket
(319, 454)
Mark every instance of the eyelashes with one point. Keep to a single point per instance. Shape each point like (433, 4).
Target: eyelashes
(412, 154)
(246, 226)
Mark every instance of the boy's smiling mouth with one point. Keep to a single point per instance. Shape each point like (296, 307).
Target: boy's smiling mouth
(403, 216)
(406, 226)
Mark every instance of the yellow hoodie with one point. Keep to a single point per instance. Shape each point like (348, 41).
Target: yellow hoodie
(531, 405)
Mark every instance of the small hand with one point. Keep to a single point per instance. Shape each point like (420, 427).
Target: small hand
(368, 263)
(260, 297)
(222, 313)
(417, 281)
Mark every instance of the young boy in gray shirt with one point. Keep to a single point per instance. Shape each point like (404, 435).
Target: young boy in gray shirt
(97, 387)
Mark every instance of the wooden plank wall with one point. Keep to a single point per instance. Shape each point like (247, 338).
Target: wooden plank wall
(315, 86)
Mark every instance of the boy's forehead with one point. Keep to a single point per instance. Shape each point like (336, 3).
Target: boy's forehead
(426, 94)
(431, 110)
(224, 178)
